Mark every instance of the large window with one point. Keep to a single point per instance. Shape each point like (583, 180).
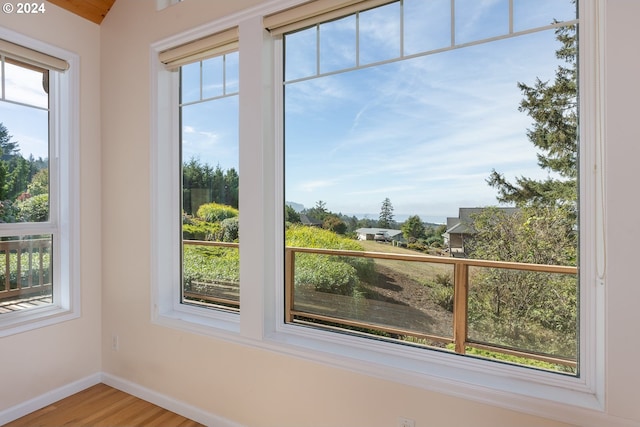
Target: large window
(431, 164)
(38, 283)
(410, 206)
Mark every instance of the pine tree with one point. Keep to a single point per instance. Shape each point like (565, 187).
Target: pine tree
(385, 220)
(553, 107)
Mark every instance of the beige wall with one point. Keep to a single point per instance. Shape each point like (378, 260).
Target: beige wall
(244, 384)
(42, 360)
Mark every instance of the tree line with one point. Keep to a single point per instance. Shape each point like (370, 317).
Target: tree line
(202, 183)
(24, 183)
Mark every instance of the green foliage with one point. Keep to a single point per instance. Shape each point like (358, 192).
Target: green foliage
(443, 296)
(230, 230)
(16, 172)
(318, 212)
(313, 237)
(202, 184)
(9, 212)
(413, 229)
(39, 183)
(493, 355)
(35, 209)
(554, 108)
(335, 224)
(327, 273)
(214, 212)
(210, 264)
(532, 310)
(290, 215)
(197, 229)
(442, 291)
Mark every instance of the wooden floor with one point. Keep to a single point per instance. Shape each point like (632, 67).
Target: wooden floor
(102, 405)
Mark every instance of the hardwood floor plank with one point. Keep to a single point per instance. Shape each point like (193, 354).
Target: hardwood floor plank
(102, 405)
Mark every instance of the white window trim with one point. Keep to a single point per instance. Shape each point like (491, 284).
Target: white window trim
(261, 322)
(64, 197)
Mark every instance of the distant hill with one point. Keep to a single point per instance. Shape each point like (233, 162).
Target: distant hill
(298, 207)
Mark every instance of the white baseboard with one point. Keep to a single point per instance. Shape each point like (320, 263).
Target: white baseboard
(48, 398)
(167, 402)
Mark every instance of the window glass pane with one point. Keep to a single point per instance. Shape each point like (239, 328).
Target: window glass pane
(25, 86)
(212, 77)
(432, 169)
(379, 35)
(232, 68)
(338, 44)
(25, 272)
(301, 54)
(24, 146)
(210, 185)
(427, 25)
(477, 20)
(536, 13)
(190, 82)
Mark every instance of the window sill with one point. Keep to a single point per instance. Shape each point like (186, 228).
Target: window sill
(27, 320)
(546, 394)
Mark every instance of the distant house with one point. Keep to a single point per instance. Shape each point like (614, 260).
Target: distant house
(460, 228)
(310, 221)
(380, 234)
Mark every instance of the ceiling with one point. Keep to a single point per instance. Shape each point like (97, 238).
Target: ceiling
(93, 10)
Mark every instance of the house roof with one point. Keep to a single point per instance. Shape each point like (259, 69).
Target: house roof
(462, 224)
(307, 220)
(388, 231)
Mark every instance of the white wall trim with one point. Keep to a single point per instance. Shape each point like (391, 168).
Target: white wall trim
(46, 399)
(584, 418)
(166, 402)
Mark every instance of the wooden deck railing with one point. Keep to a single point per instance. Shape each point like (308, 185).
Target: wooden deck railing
(460, 267)
(227, 294)
(24, 267)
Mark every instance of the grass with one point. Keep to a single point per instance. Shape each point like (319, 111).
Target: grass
(423, 272)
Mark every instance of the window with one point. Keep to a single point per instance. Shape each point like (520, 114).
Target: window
(294, 77)
(210, 182)
(38, 284)
(450, 160)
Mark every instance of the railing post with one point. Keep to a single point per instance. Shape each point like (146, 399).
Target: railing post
(289, 274)
(460, 306)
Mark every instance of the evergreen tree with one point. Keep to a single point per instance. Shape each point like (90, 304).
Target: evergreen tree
(385, 220)
(553, 107)
(9, 148)
(413, 229)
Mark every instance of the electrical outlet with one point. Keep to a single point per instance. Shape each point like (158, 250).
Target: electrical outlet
(406, 422)
(115, 342)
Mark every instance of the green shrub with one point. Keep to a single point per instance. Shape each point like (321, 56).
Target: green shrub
(196, 229)
(327, 273)
(215, 212)
(209, 264)
(229, 229)
(35, 209)
(9, 212)
(443, 296)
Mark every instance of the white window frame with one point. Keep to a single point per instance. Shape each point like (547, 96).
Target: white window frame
(261, 320)
(63, 223)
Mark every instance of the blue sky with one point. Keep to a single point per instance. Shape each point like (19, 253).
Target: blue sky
(424, 132)
(28, 126)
